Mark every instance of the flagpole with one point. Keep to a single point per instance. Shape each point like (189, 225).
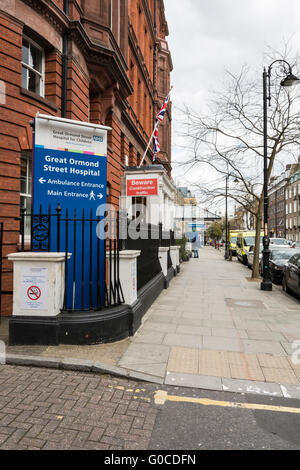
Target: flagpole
(147, 147)
(156, 126)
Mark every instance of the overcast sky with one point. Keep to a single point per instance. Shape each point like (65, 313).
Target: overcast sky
(208, 37)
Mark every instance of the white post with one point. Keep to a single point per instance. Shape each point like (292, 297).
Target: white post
(128, 274)
(38, 283)
(174, 252)
(163, 258)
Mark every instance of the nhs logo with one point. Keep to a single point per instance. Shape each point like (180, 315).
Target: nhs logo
(97, 138)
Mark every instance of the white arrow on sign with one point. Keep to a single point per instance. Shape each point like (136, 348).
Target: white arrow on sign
(100, 196)
(42, 181)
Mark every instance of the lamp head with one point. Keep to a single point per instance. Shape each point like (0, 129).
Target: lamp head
(290, 80)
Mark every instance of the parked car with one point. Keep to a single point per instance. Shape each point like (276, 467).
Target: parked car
(280, 242)
(271, 248)
(291, 275)
(278, 259)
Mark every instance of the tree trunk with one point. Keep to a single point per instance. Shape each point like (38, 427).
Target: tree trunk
(258, 218)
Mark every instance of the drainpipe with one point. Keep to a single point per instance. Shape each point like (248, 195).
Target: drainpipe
(64, 66)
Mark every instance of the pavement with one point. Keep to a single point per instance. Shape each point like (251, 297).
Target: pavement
(213, 329)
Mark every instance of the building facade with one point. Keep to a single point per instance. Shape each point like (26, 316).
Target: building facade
(105, 62)
(277, 216)
(292, 195)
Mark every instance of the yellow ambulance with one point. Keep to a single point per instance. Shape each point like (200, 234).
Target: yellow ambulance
(232, 241)
(244, 241)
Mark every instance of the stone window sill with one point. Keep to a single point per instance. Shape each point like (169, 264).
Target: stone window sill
(39, 98)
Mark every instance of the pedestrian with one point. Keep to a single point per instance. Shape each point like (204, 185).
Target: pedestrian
(195, 247)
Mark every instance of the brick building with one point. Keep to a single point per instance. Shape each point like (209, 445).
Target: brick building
(292, 195)
(105, 62)
(277, 221)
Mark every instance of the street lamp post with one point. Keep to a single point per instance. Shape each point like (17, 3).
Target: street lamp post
(226, 219)
(288, 81)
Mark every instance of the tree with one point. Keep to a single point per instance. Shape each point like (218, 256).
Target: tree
(215, 231)
(229, 140)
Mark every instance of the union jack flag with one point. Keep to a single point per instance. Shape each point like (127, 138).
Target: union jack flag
(156, 146)
(160, 116)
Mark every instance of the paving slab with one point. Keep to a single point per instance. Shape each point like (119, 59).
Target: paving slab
(150, 337)
(280, 376)
(160, 327)
(258, 346)
(219, 343)
(176, 339)
(291, 391)
(193, 381)
(139, 353)
(229, 333)
(249, 386)
(183, 360)
(193, 330)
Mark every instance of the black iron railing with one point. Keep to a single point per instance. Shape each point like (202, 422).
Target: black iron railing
(147, 238)
(92, 271)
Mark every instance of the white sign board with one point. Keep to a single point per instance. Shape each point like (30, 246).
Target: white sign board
(34, 288)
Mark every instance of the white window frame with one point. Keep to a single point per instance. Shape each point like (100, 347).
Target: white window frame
(28, 67)
(27, 194)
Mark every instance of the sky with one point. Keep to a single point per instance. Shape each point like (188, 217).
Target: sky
(207, 38)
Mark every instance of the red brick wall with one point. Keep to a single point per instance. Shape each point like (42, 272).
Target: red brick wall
(77, 94)
(113, 159)
(16, 112)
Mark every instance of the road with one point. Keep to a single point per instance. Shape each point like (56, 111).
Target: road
(58, 409)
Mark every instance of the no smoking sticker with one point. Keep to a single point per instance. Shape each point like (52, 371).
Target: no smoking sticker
(34, 293)
(34, 288)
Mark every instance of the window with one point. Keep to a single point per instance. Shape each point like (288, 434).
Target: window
(33, 65)
(26, 189)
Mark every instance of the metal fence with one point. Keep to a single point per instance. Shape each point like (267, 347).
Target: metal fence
(147, 238)
(92, 271)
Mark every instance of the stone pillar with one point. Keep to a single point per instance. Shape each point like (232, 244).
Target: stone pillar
(174, 252)
(163, 258)
(39, 283)
(128, 274)
(38, 294)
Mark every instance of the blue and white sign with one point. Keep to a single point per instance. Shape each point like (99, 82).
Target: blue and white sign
(70, 169)
(70, 165)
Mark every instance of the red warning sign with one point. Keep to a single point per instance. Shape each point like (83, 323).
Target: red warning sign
(34, 293)
(142, 187)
